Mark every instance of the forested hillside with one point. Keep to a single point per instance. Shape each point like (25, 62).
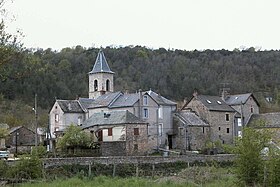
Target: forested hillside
(172, 73)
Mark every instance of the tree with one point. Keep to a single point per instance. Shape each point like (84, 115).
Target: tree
(249, 163)
(74, 137)
(10, 46)
(3, 132)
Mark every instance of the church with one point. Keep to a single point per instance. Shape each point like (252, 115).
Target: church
(110, 115)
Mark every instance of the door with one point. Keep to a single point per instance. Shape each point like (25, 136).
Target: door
(170, 141)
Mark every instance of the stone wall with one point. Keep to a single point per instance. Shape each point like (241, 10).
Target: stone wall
(116, 148)
(49, 162)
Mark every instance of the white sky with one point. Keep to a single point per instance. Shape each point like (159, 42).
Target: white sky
(179, 24)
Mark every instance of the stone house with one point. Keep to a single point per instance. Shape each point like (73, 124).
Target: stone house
(20, 140)
(64, 113)
(120, 133)
(192, 132)
(148, 106)
(246, 105)
(270, 121)
(215, 112)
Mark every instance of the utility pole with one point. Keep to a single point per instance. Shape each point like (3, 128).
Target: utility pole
(36, 122)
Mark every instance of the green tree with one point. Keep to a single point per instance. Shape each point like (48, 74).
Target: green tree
(9, 43)
(3, 132)
(249, 162)
(74, 137)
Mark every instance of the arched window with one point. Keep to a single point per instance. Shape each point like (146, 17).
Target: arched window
(95, 85)
(107, 85)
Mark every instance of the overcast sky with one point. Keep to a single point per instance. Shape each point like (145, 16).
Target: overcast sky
(178, 24)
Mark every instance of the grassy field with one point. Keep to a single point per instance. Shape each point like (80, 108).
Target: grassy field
(103, 181)
(190, 177)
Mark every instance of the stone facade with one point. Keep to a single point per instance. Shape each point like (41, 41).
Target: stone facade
(104, 81)
(221, 129)
(60, 119)
(20, 138)
(191, 137)
(218, 115)
(49, 162)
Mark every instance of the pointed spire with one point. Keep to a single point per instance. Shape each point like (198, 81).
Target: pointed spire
(101, 65)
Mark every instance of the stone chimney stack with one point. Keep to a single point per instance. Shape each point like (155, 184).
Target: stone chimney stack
(195, 93)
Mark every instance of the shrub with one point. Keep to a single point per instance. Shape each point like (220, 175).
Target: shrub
(26, 168)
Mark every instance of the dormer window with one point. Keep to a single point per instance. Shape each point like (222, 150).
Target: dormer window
(208, 101)
(219, 102)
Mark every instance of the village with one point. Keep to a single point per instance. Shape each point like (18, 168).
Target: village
(145, 122)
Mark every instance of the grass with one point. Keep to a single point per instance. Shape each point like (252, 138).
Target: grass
(189, 177)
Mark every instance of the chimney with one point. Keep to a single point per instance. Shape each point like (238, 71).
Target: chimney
(69, 106)
(224, 95)
(195, 93)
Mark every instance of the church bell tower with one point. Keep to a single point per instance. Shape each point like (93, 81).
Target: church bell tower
(101, 77)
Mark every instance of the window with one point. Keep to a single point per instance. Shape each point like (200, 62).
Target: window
(107, 85)
(203, 130)
(56, 118)
(160, 125)
(160, 112)
(95, 85)
(219, 128)
(227, 117)
(145, 100)
(80, 120)
(56, 129)
(110, 132)
(136, 131)
(208, 101)
(135, 147)
(227, 130)
(145, 113)
(252, 109)
(239, 122)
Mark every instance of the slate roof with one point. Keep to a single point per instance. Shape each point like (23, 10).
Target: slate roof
(70, 106)
(101, 65)
(116, 117)
(215, 103)
(269, 119)
(125, 100)
(85, 102)
(160, 99)
(239, 99)
(191, 119)
(105, 100)
(13, 129)
(119, 99)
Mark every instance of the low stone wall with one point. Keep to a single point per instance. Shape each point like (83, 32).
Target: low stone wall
(49, 162)
(116, 148)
